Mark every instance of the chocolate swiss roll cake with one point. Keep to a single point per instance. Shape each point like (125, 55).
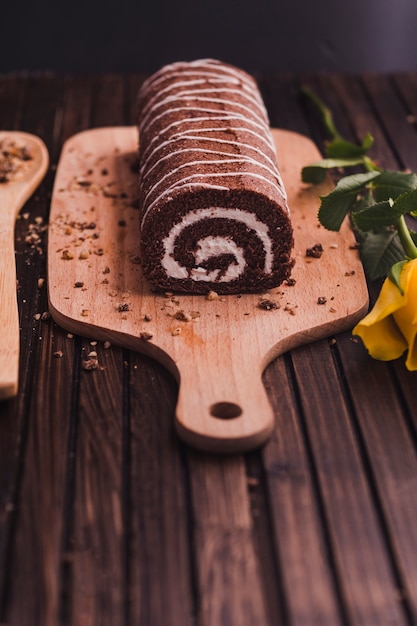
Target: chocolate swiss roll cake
(214, 213)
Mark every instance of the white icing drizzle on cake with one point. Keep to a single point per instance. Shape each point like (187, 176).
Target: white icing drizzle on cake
(198, 107)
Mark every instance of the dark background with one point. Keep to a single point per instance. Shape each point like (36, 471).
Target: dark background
(258, 35)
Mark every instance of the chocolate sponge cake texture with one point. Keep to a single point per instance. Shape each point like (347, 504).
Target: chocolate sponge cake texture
(214, 213)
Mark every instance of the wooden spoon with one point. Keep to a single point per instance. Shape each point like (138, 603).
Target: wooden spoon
(23, 163)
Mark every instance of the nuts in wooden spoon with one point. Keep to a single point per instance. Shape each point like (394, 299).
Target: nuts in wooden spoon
(13, 157)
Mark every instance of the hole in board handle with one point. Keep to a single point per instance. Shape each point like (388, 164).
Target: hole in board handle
(225, 410)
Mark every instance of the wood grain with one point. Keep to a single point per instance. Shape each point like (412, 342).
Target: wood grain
(232, 339)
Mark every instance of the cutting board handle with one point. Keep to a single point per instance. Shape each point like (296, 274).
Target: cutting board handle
(221, 408)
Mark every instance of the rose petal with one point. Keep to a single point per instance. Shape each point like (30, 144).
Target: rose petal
(382, 338)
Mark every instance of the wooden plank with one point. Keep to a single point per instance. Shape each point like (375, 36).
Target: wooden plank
(160, 566)
(96, 578)
(34, 565)
(13, 418)
(377, 400)
(305, 564)
(351, 97)
(406, 84)
(363, 564)
(391, 453)
(12, 97)
(392, 113)
(226, 562)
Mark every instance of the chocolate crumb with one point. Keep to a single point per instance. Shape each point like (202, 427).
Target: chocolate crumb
(290, 282)
(78, 284)
(147, 336)
(123, 307)
(268, 305)
(315, 251)
(321, 300)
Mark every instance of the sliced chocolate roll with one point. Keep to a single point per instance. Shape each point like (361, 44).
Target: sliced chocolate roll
(214, 213)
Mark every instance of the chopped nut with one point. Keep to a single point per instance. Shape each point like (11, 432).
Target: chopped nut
(123, 307)
(291, 308)
(146, 335)
(147, 317)
(12, 159)
(176, 331)
(212, 295)
(90, 364)
(67, 255)
(182, 316)
(83, 255)
(85, 312)
(57, 354)
(41, 282)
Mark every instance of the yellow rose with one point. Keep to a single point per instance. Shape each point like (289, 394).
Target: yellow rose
(391, 327)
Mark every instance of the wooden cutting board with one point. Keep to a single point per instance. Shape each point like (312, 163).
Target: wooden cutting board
(217, 349)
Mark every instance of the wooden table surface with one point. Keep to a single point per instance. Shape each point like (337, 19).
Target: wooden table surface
(106, 518)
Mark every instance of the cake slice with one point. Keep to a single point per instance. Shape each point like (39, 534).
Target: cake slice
(214, 212)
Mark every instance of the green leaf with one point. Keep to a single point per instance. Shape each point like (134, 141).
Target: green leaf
(340, 148)
(394, 274)
(313, 174)
(316, 172)
(406, 203)
(391, 184)
(380, 251)
(375, 216)
(335, 206)
(367, 142)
